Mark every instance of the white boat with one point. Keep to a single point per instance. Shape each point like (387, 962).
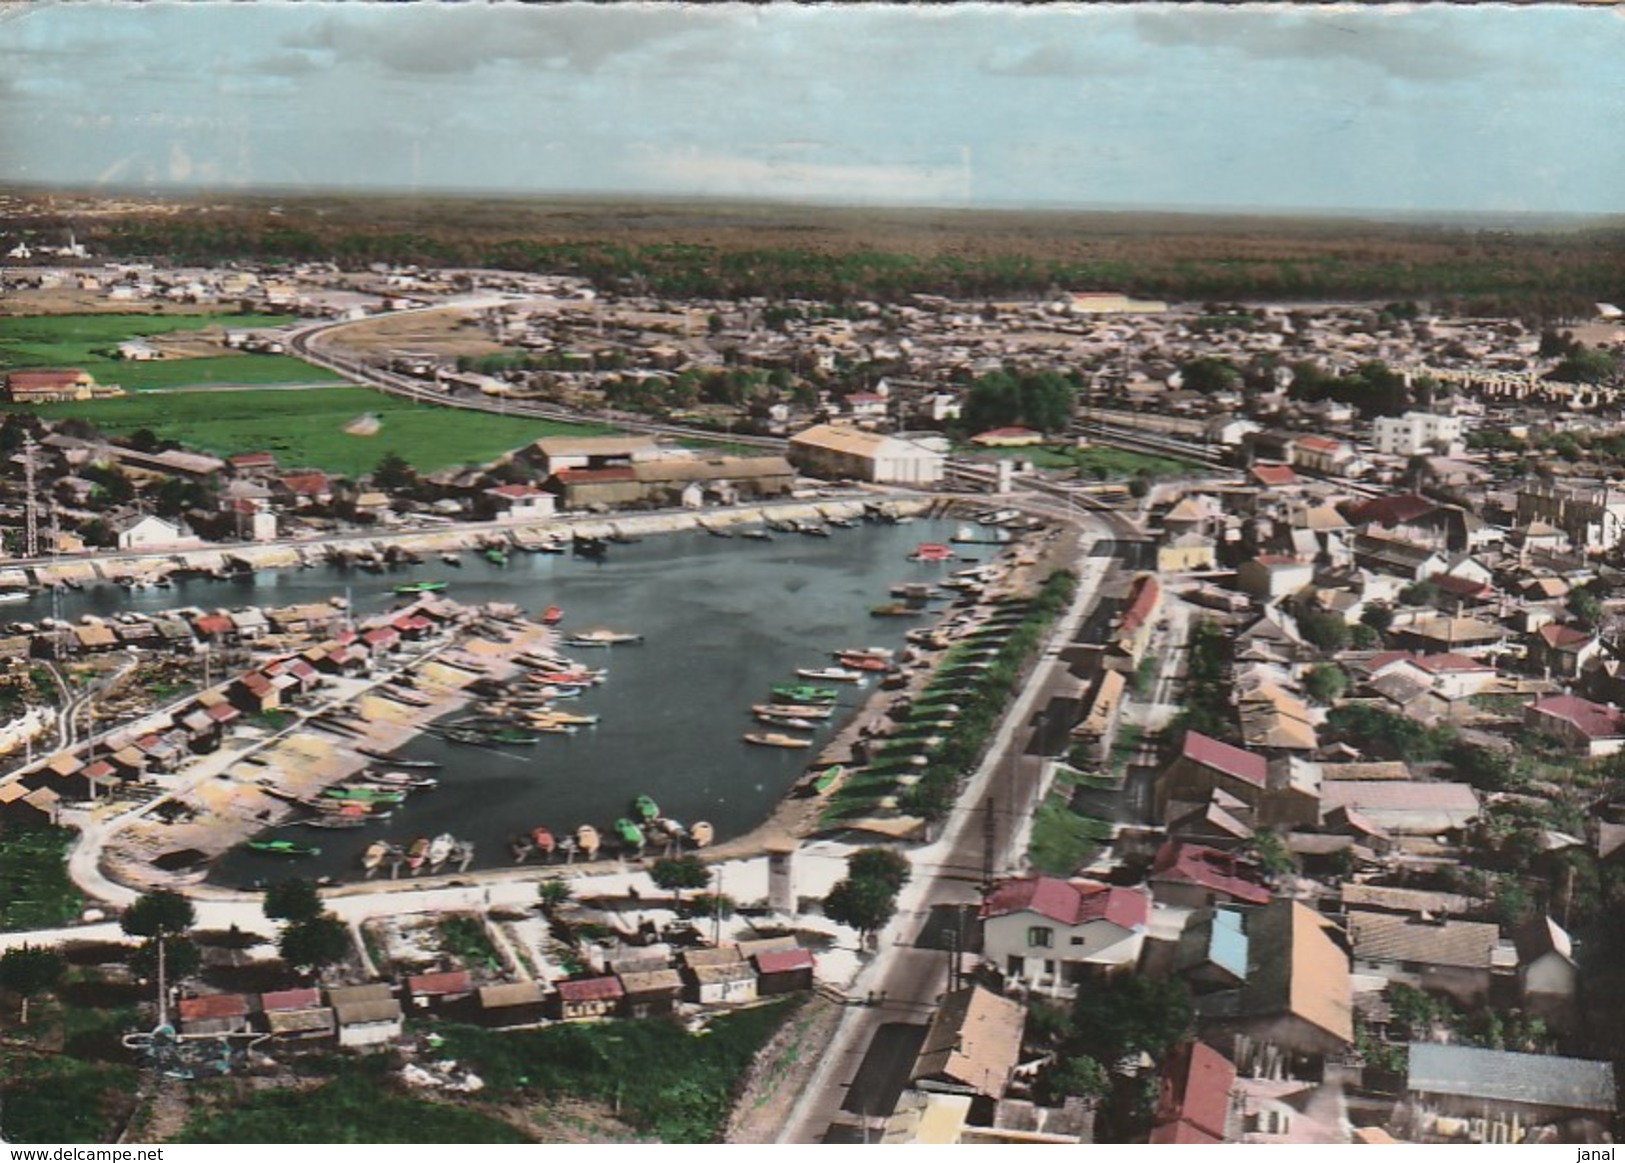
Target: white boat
(792, 721)
(440, 848)
(701, 833)
(603, 637)
(829, 673)
(9, 596)
(776, 739)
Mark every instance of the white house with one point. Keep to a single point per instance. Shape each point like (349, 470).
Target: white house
(151, 533)
(1053, 933)
(840, 451)
(1415, 433)
(514, 503)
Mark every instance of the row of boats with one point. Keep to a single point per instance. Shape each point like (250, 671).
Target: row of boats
(804, 706)
(642, 826)
(421, 855)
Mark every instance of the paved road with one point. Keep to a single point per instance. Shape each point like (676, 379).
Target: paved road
(909, 974)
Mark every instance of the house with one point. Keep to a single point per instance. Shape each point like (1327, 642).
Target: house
(1415, 433)
(1195, 876)
(1211, 953)
(516, 1003)
(1592, 515)
(1053, 934)
(866, 406)
(783, 971)
(1297, 995)
(1132, 634)
(426, 990)
(840, 452)
(1185, 553)
(252, 463)
(592, 997)
(1271, 577)
(1274, 477)
(1193, 1096)
(1404, 807)
(297, 1015)
(28, 806)
(54, 385)
(303, 488)
(1588, 729)
(149, 532)
(1205, 764)
(520, 502)
(651, 990)
(1450, 675)
(1326, 455)
(1504, 1087)
(971, 1047)
(1565, 651)
(1463, 635)
(1092, 733)
(367, 1015)
(558, 453)
(213, 1013)
(1398, 556)
(718, 976)
(1548, 977)
(1450, 957)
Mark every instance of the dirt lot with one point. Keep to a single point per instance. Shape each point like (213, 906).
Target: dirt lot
(445, 333)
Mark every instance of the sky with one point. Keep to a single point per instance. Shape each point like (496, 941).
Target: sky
(1401, 108)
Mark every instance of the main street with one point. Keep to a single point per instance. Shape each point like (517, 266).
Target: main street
(986, 828)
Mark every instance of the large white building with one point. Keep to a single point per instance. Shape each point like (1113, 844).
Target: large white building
(839, 451)
(1415, 433)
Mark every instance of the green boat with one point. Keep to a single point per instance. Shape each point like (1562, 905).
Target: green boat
(365, 795)
(797, 693)
(513, 735)
(631, 835)
(283, 848)
(421, 587)
(646, 808)
(829, 779)
(496, 556)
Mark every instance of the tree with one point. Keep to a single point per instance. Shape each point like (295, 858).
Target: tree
(293, 900)
(312, 944)
(552, 894)
(1209, 374)
(865, 904)
(1379, 616)
(158, 913)
(677, 873)
(1586, 605)
(29, 970)
(886, 865)
(1325, 683)
(1130, 1015)
(394, 473)
(1075, 1077)
(181, 958)
(1325, 631)
(711, 904)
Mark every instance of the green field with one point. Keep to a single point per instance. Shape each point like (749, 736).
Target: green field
(305, 428)
(83, 341)
(1105, 463)
(35, 891)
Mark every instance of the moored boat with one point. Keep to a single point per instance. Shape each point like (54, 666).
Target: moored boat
(601, 636)
(496, 556)
(588, 840)
(791, 721)
(645, 808)
(375, 853)
(895, 610)
(775, 739)
(796, 710)
(542, 840)
(863, 662)
(628, 833)
(417, 854)
(801, 693)
(440, 849)
(283, 848)
(828, 673)
(452, 560)
(365, 795)
(756, 534)
(552, 616)
(828, 780)
(421, 587)
(336, 822)
(380, 755)
(701, 834)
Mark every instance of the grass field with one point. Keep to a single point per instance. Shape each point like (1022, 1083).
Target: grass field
(83, 340)
(305, 428)
(1062, 840)
(1104, 463)
(35, 892)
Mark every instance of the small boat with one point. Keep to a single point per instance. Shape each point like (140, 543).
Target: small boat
(799, 711)
(421, 587)
(422, 764)
(801, 693)
(588, 840)
(701, 834)
(880, 653)
(841, 522)
(440, 849)
(896, 610)
(375, 854)
(283, 848)
(829, 673)
(552, 616)
(521, 848)
(812, 529)
(565, 677)
(829, 779)
(496, 556)
(863, 662)
(776, 739)
(365, 795)
(756, 534)
(603, 637)
(404, 779)
(717, 531)
(672, 829)
(452, 559)
(9, 596)
(932, 551)
(542, 840)
(792, 721)
(417, 854)
(629, 833)
(336, 821)
(645, 808)
(556, 548)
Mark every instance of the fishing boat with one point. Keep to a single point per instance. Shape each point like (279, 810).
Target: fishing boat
(452, 559)
(603, 637)
(417, 854)
(828, 673)
(801, 693)
(542, 840)
(756, 534)
(422, 764)
(792, 721)
(552, 616)
(672, 829)
(895, 610)
(365, 795)
(863, 662)
(775, 739)
(440, 849)
(717, 530)
(701, 834)
(829, 779)
(336, 821)
(629, 833)
(882, 653)
(421, 587)
(565, 677)
(645, 808)
(283, 848)
(565, 718)
(405, 779)
(375, 854)
(496, 556)
(799, 710)
(588, 840)
(842, 522)
(932, 551)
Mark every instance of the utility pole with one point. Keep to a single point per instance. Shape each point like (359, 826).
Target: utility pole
(31, 504)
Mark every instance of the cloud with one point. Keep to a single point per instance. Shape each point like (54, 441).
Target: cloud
(1401, 42)
(716, 173)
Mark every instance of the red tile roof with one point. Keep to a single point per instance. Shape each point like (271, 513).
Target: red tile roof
(290, 999)
(434, 984)
(1319, 443)
(592, 989)
(1274, 475)
(1068, 902)
(1439, 663)
(1559, 636)
(1464, 587)
(1193, 1098)
(1142, 600)
(1182, 863)
(213, 1005)
(1209, 752)
(305, 484)
(1391, 511)
(34, 379)
(212, 624)
(516, 492)
(784, 961)
(1593, 720)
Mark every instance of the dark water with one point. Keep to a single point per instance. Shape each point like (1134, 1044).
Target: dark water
(723, 620)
